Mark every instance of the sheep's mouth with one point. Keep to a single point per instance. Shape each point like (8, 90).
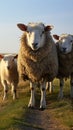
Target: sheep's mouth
(35, 51)
(35, 48)
(65, 52)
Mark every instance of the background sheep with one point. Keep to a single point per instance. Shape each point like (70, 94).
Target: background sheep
(8, 73)
(50, 87)
(65, 56)
(37, 58)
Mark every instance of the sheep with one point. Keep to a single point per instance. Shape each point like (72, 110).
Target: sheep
(37, 58)
(8, 73)
(65, 57)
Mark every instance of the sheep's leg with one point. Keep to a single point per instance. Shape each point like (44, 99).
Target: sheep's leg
(49, 87)
(60, 96)
(14, 91)
(4, 83)
(71, 84)
(43, 96)
(32, 98)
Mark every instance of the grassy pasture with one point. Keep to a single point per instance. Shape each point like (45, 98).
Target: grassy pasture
(13, 113)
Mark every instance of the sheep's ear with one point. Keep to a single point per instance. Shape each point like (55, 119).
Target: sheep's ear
(1, 56)
(56, 37)
(22, 26)
(49, 27)
(15, 56)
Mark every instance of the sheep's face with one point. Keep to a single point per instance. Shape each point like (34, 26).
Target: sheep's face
(65, 43)
(35, 37)
(9, 62)
(35, 34)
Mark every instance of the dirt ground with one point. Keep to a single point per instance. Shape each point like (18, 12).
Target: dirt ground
(41, 120)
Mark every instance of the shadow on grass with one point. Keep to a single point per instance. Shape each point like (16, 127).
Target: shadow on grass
(28, 120)
(26, 124)
(59, 107)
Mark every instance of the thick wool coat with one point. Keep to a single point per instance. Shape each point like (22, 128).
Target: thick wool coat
(38, 65)
(11, 76)
(65, 63)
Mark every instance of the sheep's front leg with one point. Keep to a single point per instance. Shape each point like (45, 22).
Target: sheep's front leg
(4, 83)
(60, 96)
(71, 84)
(32, 97)
(43, 96)
(14, 91)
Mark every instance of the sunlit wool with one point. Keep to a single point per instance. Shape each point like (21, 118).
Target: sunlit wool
(40, 64)
(9, 73)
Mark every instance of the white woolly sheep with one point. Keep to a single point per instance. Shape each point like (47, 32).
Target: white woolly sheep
(9, 73)
(65, 56)
(37, 58)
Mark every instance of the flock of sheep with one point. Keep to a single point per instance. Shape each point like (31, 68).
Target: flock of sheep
(40, 60)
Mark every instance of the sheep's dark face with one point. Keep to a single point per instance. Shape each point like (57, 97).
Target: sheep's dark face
(35, 33)
(65, 42)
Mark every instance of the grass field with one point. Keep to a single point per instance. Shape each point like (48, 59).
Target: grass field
(13, 113)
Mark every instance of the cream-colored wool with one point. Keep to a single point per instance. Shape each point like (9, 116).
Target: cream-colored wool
(39, 64)
(9, 74)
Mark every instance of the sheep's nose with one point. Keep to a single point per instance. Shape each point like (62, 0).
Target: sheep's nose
(64, 49)
(34, 45)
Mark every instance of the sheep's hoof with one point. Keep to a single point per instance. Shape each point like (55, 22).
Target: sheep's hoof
(42, 108)
(5, 98)
(15, 99)
(71, 96)
(60, 97)
(31, 107)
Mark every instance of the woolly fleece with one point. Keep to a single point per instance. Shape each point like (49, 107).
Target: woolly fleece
(65, 63)
(38, 65)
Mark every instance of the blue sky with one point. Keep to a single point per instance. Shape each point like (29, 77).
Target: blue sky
(53, 12)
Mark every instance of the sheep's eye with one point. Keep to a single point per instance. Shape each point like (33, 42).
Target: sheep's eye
(13, 59)
(71, 41)
(28, 33)
(42, 33)
(4, 59)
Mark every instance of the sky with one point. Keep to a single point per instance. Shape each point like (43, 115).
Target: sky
(58, 13)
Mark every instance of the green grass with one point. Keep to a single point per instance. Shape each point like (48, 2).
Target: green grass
(13, 113)
(11, 110)
(61, 109)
